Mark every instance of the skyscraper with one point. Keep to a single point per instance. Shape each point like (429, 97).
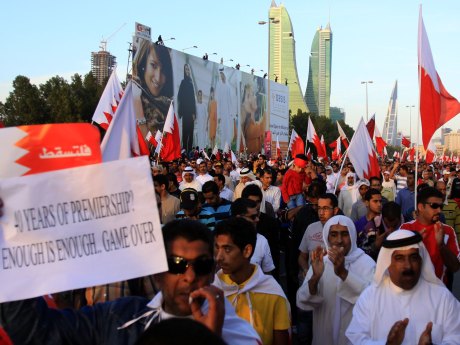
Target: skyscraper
(102, 64)
(390, 128)
(318, 92)
(282, 62)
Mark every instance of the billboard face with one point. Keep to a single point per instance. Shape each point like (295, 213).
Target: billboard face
(214, 104)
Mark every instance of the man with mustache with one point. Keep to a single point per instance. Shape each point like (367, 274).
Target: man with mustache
(406, 303)
(439, 239)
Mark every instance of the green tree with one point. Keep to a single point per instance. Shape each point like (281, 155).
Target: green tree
(24, 105)
(323, 126)
(57, 95)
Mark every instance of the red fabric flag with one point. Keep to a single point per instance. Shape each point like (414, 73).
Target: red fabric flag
(296, 144)
(313, 138)
(108, 102)
(323, 148)
(278, 148)
(430, 155)
(123, 139)
(362, 154)
(437, 106)
(371, 126)
(337, 153)
(380, 144)
(343, 136)
(405, 142)
(170, 149)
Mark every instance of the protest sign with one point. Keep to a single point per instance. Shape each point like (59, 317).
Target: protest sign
(78, 227)
(26, 150)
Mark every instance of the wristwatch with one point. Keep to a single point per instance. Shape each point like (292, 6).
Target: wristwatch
(141, 121)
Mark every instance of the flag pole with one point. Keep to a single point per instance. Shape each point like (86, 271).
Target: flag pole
(344, 158)
(418, 105)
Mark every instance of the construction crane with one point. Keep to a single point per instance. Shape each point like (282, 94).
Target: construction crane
(103, 45)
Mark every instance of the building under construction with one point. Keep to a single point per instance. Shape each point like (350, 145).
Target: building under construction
(102, 64)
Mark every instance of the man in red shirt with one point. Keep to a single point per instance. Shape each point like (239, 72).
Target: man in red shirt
(439, 239)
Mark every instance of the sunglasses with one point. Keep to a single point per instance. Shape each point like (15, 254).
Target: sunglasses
(253, 216)
(434, 205)
(201, 266)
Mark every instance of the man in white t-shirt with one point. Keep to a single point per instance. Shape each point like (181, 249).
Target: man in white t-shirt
(247, 209)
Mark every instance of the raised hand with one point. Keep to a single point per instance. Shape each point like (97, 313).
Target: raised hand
(439, 233)
(317, 263)
(425, 337)
(397, 332)
(214, 319)
(337, 257)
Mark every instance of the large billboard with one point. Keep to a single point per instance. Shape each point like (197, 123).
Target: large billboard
(215, 105)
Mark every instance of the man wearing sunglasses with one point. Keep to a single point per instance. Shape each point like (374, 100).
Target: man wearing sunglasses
(439, 239)
(185, 291)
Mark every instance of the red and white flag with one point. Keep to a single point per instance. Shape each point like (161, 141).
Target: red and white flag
(278, 148)
(215, 150)
(380, 144)
(405, 142)
(314, 139)
(371, 126)
(343, 136)
(323, 148)
(362, 154)
(396, 155)
(430, 155)
(108, 103)
(337, 153)
(437, 106)
(233, 156)
(123, 138)
(170, 143)
(296, 144)
(154, 140)
(308, 154)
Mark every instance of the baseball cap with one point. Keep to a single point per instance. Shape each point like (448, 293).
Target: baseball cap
(188, 199)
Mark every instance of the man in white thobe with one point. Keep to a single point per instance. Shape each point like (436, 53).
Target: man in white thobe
(335, 281)
(406, 303)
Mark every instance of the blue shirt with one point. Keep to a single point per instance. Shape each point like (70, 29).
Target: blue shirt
(220, 212)
(406, 199)
(204, 217)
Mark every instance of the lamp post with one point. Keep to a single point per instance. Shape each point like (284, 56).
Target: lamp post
(367, 108)
(410, 119)
(272, 20)
(189, 48)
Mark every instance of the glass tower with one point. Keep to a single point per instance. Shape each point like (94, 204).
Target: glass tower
(318, 92)
(282, 63)
(390, 128)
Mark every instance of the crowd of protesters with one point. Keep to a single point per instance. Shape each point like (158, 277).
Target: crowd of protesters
(290, 246)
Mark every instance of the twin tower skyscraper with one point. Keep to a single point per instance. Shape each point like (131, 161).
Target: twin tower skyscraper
(283, 67)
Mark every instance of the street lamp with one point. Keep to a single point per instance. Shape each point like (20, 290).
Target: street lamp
(410, 119)
(189, 48)
(272, 20)
(367, 108)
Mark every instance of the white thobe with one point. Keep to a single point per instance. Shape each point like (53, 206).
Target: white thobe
(346, 200)
(379, 307)
(334, 301)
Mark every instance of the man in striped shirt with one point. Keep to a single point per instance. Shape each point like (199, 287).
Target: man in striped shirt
(191, 208)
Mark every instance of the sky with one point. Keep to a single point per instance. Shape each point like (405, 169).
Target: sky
(372, 41)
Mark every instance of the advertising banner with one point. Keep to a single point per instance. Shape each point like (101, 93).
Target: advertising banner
(215, 104)
(79, 227)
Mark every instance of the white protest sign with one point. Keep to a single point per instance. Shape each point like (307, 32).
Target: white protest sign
(79, 227)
